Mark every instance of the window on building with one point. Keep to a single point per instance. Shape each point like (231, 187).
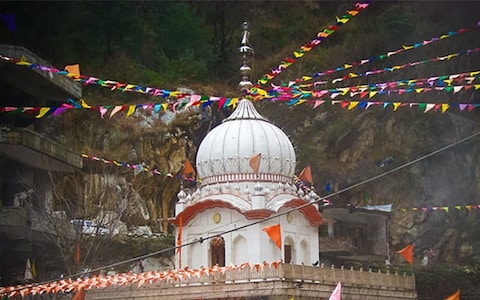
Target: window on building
(217, 246)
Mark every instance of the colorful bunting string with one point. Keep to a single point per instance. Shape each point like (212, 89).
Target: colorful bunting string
(321, 36)
(305, 97)
(389, 54)
(110, 84)
(400, 67)
(137, 167)
(468, 207)
(68, 285)
(292, 92)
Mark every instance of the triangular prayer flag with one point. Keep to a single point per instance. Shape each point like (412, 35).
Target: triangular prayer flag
(407, 253)
(188, 170)
(306, 174)
(274, 234)
(337, 292)
(28, 271)
(255, 162)
(80, 295)
(34, 269)
(454, 296)
(131, 110)
(43, 112)
(328, 187)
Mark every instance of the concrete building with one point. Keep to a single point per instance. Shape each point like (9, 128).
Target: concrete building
(26, 158)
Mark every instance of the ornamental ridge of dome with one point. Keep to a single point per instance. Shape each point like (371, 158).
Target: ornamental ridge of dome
(245, 111)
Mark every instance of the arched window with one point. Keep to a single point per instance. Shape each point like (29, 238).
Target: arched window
(288, 250)
(217, 248)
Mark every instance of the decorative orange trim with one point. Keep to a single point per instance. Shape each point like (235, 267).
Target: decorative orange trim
(310, 211)
(192, 210)
(258, 214)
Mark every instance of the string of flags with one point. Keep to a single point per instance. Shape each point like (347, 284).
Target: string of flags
(188, 173)
(440, 83)
(321, 36)
(72, 71)
(394, 68)
(82, 284)
(290, 96)
(389, 54)
(292, 93)
(468, 207)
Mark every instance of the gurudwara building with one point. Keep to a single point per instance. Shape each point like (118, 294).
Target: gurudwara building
(246, 166)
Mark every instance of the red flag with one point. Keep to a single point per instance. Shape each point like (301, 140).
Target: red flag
(274, 234)
(80, 295)
(407, 253)
(188, 170)
(337, 293)
(77, 254)
(306, 174)
(454, 296)
(255, 162)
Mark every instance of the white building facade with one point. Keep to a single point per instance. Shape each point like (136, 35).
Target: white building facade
(246, 168)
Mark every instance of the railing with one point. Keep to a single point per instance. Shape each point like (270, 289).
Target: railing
(37, 142)
(246, 280)
(353, 277)
(16, 52)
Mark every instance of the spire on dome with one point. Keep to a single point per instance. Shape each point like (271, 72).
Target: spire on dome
(247, 51)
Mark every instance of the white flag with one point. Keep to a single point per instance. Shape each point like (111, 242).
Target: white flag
(28, 271)
(337, 293)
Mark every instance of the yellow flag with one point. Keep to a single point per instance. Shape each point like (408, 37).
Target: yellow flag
(43, 111)
(131, 110)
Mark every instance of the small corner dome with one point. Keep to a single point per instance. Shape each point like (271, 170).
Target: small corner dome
(228, 148)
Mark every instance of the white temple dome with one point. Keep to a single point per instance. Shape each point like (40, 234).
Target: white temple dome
(228, 148)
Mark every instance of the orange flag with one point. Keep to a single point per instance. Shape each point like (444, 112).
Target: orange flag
(274, 234)
(179, 243)
(255, 162)
(188, 170)
(179, 237)
(306, 174)
(454, 296)
(73, 69)
(80, 295)
(407, 253)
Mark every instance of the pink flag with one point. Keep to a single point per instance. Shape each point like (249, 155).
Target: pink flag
(337, 293)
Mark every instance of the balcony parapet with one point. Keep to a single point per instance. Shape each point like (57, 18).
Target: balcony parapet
(32, 148)
(71, 87)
